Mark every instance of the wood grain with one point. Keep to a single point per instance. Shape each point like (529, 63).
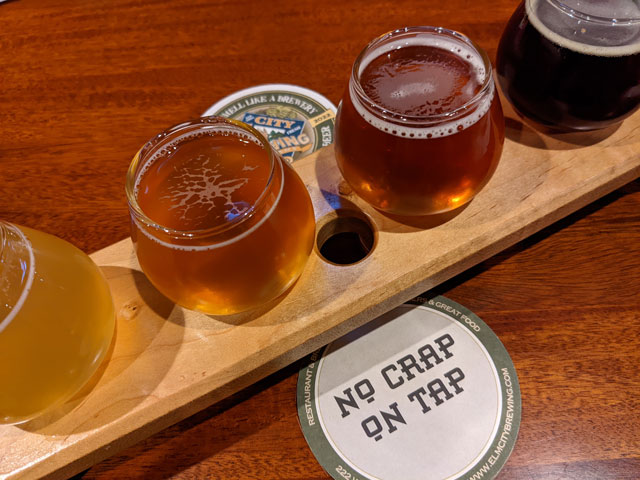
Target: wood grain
(168, 362)
(84, 84)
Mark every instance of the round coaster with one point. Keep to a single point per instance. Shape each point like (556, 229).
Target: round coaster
(424, 391)
(295, 120)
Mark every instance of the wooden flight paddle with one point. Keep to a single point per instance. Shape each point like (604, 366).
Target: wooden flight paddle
(167, 363)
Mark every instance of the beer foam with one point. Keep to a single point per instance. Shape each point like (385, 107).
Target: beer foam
(202, 188)
(189, 136)
(29, 275)
(595, 38)
(205, 187)
(463, 51)
(198, 248)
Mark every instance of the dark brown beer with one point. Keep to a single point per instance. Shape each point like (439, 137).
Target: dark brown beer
(420, 129)
(566, 73)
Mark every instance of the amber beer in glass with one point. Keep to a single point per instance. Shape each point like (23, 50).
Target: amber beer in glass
(572, 65)
(420, 129)
(220, 222)
(56, 321)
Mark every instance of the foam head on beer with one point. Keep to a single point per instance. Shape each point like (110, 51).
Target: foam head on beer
(203, 181)
(426, 78)
(591, 27)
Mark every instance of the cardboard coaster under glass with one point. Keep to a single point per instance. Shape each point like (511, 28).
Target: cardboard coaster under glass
(295, 120)
(426, 390)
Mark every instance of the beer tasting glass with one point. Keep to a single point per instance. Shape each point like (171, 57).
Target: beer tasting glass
(420, 129)
(572, 65)
(56, 321)
(220, 222)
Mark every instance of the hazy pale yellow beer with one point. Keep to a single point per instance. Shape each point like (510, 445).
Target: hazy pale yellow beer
(221, 223)
(56, 321)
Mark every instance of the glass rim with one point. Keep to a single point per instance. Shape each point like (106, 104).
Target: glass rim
(6, 229)
(3, 238)
(208, 123)
(431, 119)
(586, 17)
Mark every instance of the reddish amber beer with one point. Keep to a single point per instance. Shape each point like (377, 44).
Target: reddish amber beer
(220, 222)
(420, 129)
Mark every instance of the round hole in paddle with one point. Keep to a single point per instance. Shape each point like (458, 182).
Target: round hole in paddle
(345, 237)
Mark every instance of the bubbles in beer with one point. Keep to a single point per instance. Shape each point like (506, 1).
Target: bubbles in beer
(426, 81)
(198, 188)
(203, 181)
(422, 77)
(589, 27)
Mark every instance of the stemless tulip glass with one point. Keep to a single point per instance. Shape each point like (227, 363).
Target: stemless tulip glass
(572, 65)
(220, 222)
(420, 128)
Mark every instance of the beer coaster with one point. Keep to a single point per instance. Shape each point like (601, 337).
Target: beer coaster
(424, 391)
(296, 121)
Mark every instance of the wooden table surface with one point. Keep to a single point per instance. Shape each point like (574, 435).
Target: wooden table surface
(84, 84)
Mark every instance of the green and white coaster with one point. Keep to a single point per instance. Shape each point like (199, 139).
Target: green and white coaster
(295, 120)
(426, 391)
